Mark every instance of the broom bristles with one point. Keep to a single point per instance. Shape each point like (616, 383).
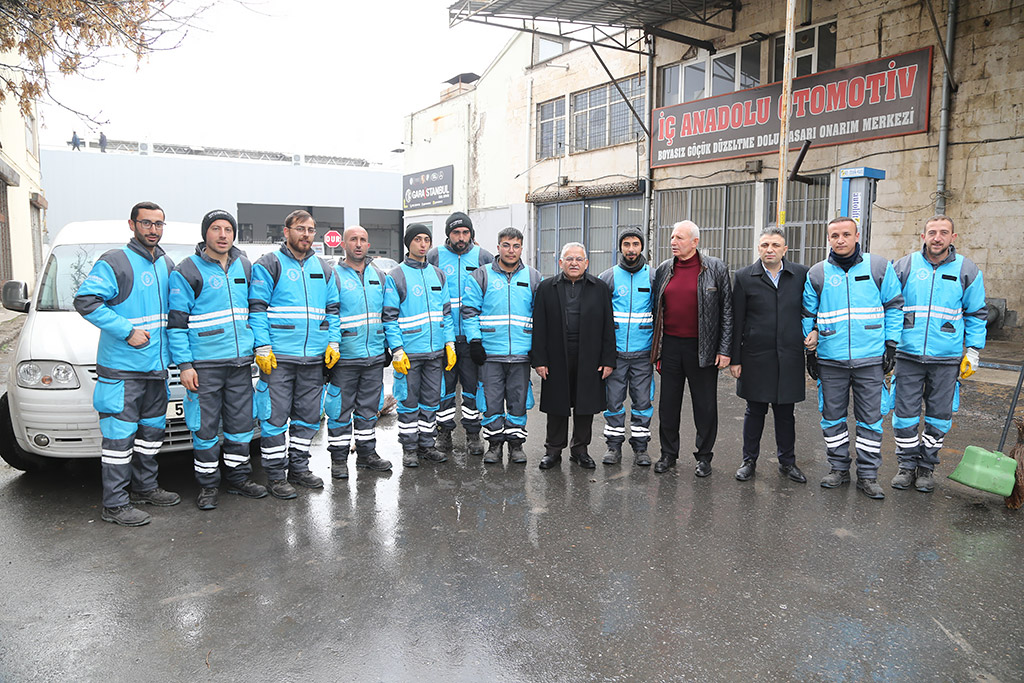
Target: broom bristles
(1016, 497)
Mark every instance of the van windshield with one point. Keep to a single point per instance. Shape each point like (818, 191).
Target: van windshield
(70, 264)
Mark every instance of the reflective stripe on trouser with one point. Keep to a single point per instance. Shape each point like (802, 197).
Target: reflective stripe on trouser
(634, 375)
(417, 412)
(466, 373)
(131, 440)
(936, 385)
(505, 387)
(225, 399)
(361, 387)
(295, 392)
(834, 399)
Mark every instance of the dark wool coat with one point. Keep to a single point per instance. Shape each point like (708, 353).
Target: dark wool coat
(767, 339)
(597, 345)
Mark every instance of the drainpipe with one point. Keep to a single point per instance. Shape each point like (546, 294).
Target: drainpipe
(947, 92)
(649, 185)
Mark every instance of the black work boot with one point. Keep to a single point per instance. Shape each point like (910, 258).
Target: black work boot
(641, 458)
(493, 454)
(372, 461)
(279, 488)
(306, 479)
(247, 488)
(432, 454)
(207, 499)
(125, 515)
(444, 440)
(870, 488)
(835, 478)
(614, 454)
(904, 479)
(339, 469)
(410, 458)
(515, 452)
(925, 481)
(474, 443)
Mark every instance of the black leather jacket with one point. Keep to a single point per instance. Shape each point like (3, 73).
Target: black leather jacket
(714, 309)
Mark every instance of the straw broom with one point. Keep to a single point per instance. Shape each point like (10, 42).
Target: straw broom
(1016, 497)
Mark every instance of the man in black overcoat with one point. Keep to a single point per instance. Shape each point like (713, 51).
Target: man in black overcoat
(768, 350)
(574, 352)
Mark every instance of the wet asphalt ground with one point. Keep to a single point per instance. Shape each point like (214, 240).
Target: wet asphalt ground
(466, 572)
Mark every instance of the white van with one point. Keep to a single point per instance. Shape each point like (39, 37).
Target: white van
(47, 410)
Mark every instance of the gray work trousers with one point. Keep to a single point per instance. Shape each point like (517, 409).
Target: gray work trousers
(505, 387)
(288, 399)
(635, 375)
(133, 416)
(834, 386)
(353, 389)
(419, 395)
(466, 373)
(935, 384)
(224, 398)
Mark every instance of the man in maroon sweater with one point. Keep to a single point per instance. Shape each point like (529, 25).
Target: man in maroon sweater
(692, 340)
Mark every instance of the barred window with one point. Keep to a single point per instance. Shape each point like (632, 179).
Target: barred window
(550, 128)
(600, 117)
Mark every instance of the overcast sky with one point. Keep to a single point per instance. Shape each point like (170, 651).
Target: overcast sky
(296, 76)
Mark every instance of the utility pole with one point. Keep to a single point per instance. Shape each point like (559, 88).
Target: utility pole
(784, 106)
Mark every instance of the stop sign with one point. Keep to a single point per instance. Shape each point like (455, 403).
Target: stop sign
(332, 239)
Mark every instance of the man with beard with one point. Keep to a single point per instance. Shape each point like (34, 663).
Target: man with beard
(458, 258)
(357, 379)
(125, 295)
(943, 312)
(293, 311)
(211, 343)
(630, 282)
(497, 311)
(574, 352)
(852, 317)
(418, 327)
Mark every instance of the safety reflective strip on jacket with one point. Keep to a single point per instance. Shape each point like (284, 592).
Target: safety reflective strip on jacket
(417, 309)
(360, 314)
(457, 269)
(632, 308)
(497, 309)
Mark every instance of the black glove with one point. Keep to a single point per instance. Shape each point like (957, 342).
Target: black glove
(476, 352)
(812, 364)
(388, 357)
(888, 359)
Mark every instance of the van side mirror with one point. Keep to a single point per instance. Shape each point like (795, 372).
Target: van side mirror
(15, 296)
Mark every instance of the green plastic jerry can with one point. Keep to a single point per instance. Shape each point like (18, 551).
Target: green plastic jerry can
(986, 470)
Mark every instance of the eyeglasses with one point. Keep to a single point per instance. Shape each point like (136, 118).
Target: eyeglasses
(574, 259)
(307, 231)
(146, 223)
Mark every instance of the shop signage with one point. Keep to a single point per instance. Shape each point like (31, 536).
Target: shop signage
(878, 99)
(427, 188)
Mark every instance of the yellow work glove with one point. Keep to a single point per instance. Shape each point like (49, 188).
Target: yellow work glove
(449, 353)
(331, 355)
(401, 362)
(969, 363)
(265, 359)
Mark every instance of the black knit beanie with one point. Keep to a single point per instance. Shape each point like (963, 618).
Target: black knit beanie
(631, 232)
(415, 229)
(218, 215)
(459, 220)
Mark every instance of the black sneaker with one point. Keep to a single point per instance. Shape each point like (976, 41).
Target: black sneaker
(157, 497)
(125, 515)
(871, 488)
(835, 478)
(306, 479)
(903, 479)
(279, 488)
(372, 461)
(444, 440)
(207, 499)
(248, 489)
(432, 454)
(925, 481)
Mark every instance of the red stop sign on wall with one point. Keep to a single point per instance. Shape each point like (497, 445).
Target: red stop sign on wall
(332, 239)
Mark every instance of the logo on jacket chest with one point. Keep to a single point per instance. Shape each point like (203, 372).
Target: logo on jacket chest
(294, 274)
(450, 269)
(836, 280)
(417, 290)
(497, 285)
(147, 279)
(215, 281)
(623, 290)
(923, 274)
(350, 285)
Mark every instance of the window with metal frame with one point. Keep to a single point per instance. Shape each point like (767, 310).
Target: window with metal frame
(807, 218)
(595, 223)
(550, 128)
(814, 50)
(709, 75)
(724, 213)
(601, 118)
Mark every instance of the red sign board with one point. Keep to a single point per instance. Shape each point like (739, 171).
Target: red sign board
(332, 239)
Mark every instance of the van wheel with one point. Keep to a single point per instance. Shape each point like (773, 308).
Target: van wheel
(13, 454)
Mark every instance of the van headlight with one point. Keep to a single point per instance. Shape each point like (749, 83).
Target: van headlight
(46, 374)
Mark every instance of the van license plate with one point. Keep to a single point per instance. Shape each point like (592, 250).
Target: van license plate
(175, 410)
